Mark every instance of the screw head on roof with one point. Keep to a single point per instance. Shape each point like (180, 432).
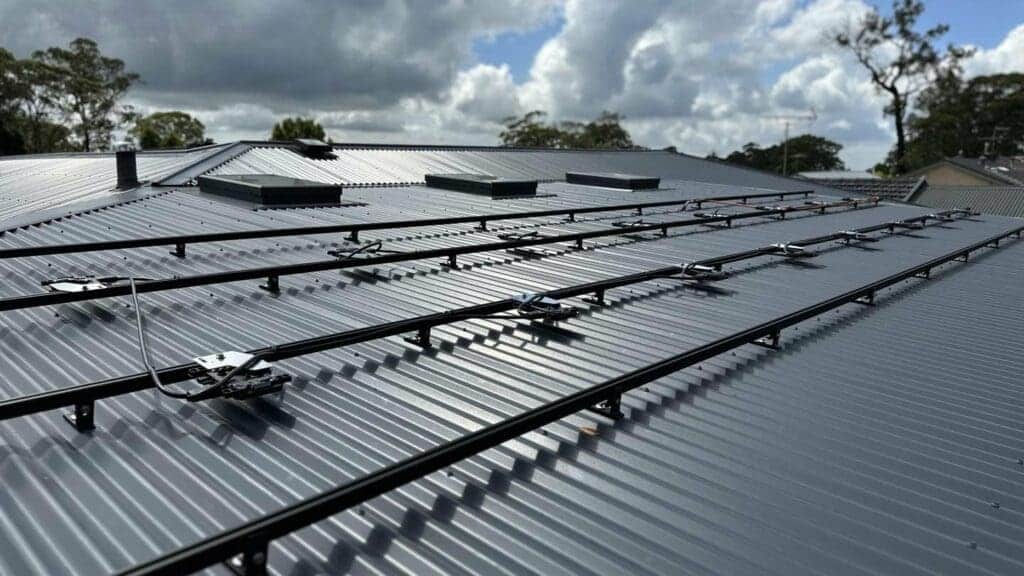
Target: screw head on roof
(996, 505)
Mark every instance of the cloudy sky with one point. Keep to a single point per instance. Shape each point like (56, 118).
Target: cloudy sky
(703, 76)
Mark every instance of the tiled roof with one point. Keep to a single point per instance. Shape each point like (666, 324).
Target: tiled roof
(896, 188)
(1003, 200)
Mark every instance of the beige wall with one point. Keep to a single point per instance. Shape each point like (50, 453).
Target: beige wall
(946, 175)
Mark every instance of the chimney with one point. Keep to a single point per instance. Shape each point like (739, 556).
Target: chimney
(127, 177)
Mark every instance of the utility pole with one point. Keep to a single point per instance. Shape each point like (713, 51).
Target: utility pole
(788, 119)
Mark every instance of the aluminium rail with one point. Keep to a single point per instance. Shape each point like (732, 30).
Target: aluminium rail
(180, 241)
(83, 396)
(273, 273)
(252, 539)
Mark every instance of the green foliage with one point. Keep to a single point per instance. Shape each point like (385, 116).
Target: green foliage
(956, 117)
(168, 130)
(292, 128)
(11, 93)
(806, 153)
(84, 87)
(901, 60)
(530, 131)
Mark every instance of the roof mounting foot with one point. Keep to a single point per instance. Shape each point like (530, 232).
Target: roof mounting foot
(926, 274)
(421, 339)
(597, 298)
(963, 257)
(639, 211)
(579, 243)
(664, 232)
(1017, 234)
(483, 226)
(571, 217)
(610, 408)
(698, 204)
(867, 299)
(83, 417)
(273, 285)
(770, 341)
(353, 236)
(252, 562)
(179, 250)
(993, 244)
(452, 262)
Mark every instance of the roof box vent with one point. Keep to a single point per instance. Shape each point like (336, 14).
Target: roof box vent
(484, 184)
(613, 180)
(314, 148)
(271, 190)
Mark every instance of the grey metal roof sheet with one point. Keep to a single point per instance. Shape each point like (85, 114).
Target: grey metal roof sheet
(1002, 200)
(383, 165)
(34, 183)
(874, 441)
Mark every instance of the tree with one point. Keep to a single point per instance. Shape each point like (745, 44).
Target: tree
(900, 60)
(293, 128)
(169, 130)
(85, 87)
(970, 118)
(806, 152)
(530, 131)
(12, 91)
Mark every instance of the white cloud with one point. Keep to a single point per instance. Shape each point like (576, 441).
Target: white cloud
(702, 76)
(1008, 56)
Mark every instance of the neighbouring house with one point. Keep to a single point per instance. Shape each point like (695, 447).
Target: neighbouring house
(974, 172)
(896, 188)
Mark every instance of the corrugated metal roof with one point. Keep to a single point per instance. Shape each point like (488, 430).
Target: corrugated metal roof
(1002, 200)
(34, 183)
(390, 165)
(875, 441)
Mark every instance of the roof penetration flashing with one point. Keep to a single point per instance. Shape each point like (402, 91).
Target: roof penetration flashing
(271, 190)
(613, 180)
(483, 184)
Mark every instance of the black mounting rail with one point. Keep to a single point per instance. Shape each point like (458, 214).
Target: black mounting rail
(83, 396)
(251, 540)
(179, 242)
(272, 273)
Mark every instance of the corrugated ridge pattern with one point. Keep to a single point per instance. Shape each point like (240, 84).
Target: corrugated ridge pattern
(38, 183)
(868, 445)
(389, 166)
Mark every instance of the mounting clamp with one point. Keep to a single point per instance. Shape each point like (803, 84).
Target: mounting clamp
(83, 418)
(610, 408)
(421, 339)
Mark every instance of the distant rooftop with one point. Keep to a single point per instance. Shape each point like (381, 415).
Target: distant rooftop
(837, 175)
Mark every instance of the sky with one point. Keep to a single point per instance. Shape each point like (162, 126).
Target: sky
(701, 76)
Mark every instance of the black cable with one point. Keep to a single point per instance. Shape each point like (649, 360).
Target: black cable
(145, 351)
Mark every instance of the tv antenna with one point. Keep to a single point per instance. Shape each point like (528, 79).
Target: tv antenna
(788, 119)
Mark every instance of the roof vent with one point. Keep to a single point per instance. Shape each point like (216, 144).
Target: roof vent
(127, 176)
(271, 189)
(485, 184)
(314, 148)
(613, 180)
